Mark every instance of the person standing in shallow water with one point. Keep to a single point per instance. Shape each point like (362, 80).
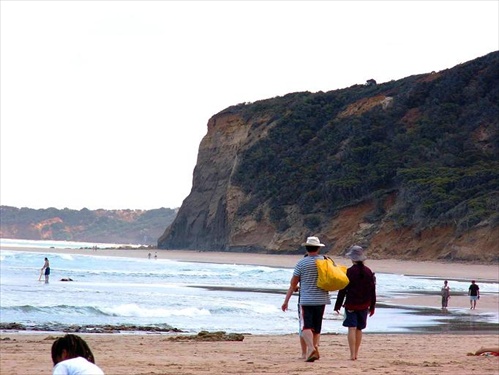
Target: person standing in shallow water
(474, 293)
(360, 299)
(46, 267)
(445, 291)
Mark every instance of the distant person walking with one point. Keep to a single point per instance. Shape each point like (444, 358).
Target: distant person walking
(474, 293)
(46, 267)
(445, 292)
(313, 300)
(360, 299)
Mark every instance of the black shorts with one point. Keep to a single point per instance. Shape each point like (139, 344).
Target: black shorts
(312, 317)
(47, 271)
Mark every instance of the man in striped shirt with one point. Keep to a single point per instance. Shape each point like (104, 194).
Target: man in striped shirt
(313, 300)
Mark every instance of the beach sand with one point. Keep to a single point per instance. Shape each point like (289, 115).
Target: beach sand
(155, 354)
(418, 353)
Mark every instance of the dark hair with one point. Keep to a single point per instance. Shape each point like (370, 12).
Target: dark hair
(312, 249)
(74, 346)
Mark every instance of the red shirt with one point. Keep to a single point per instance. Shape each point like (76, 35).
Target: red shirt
(360, 292)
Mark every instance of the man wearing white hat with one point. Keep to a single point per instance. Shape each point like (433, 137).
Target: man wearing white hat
(313, 300)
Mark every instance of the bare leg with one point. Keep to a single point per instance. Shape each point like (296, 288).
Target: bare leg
(317, 339)
(354, 341)
(308, 337)
(352, 338)
(303, 345)
(358, 340)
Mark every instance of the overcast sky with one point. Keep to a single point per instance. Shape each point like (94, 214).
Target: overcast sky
(104, 103)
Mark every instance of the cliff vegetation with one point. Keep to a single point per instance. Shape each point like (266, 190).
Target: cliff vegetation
(408, 168)
(106, 226)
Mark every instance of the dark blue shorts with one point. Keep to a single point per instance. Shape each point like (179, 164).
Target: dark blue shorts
(356, 318)
(47, 271)
(312, 317)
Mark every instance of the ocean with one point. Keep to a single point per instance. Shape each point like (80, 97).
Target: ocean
(193, 297)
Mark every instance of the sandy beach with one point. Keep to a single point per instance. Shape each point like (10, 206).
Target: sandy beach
(156, 354)
(423, 354)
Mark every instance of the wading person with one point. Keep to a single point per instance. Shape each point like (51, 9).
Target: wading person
(445, 292)
(474, 293)
(360, 299)
(46, 267)
(313, 300)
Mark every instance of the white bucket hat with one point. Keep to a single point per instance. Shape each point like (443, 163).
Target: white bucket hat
(356, 253)
(313, 241)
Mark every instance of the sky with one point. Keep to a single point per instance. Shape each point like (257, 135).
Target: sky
(103, 104)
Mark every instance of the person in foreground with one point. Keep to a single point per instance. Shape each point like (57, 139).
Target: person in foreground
(360, 298)
(72, 356)
(313, 300)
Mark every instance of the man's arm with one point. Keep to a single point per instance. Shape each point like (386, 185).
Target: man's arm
(292, 287)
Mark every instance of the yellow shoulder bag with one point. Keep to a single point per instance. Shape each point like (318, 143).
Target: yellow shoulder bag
(330, 276)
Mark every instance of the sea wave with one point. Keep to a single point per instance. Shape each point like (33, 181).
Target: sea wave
(47, 244)
(54, 310)
(134, 310)
(188, 295)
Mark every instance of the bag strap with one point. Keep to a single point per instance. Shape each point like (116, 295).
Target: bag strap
(329, 258)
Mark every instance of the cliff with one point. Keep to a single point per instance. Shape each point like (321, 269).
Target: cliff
(105, 226)
(408, 168)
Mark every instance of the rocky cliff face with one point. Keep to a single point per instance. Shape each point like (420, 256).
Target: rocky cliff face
(205, 220)
(239, 202)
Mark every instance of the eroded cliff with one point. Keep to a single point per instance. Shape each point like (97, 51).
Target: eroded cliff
(409, 168)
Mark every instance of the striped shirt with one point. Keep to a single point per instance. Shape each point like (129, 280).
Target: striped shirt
(310, 294)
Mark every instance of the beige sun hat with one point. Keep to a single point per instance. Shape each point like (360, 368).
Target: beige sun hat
(313, 241)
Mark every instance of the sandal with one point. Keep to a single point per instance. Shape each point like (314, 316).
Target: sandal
(312, 357)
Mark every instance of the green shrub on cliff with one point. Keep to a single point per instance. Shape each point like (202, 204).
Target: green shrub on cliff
(436, 144)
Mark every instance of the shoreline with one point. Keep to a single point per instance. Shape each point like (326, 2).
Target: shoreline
(428, 269)
(434, 269)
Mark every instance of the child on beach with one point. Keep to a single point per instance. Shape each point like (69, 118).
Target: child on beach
(72, 356)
